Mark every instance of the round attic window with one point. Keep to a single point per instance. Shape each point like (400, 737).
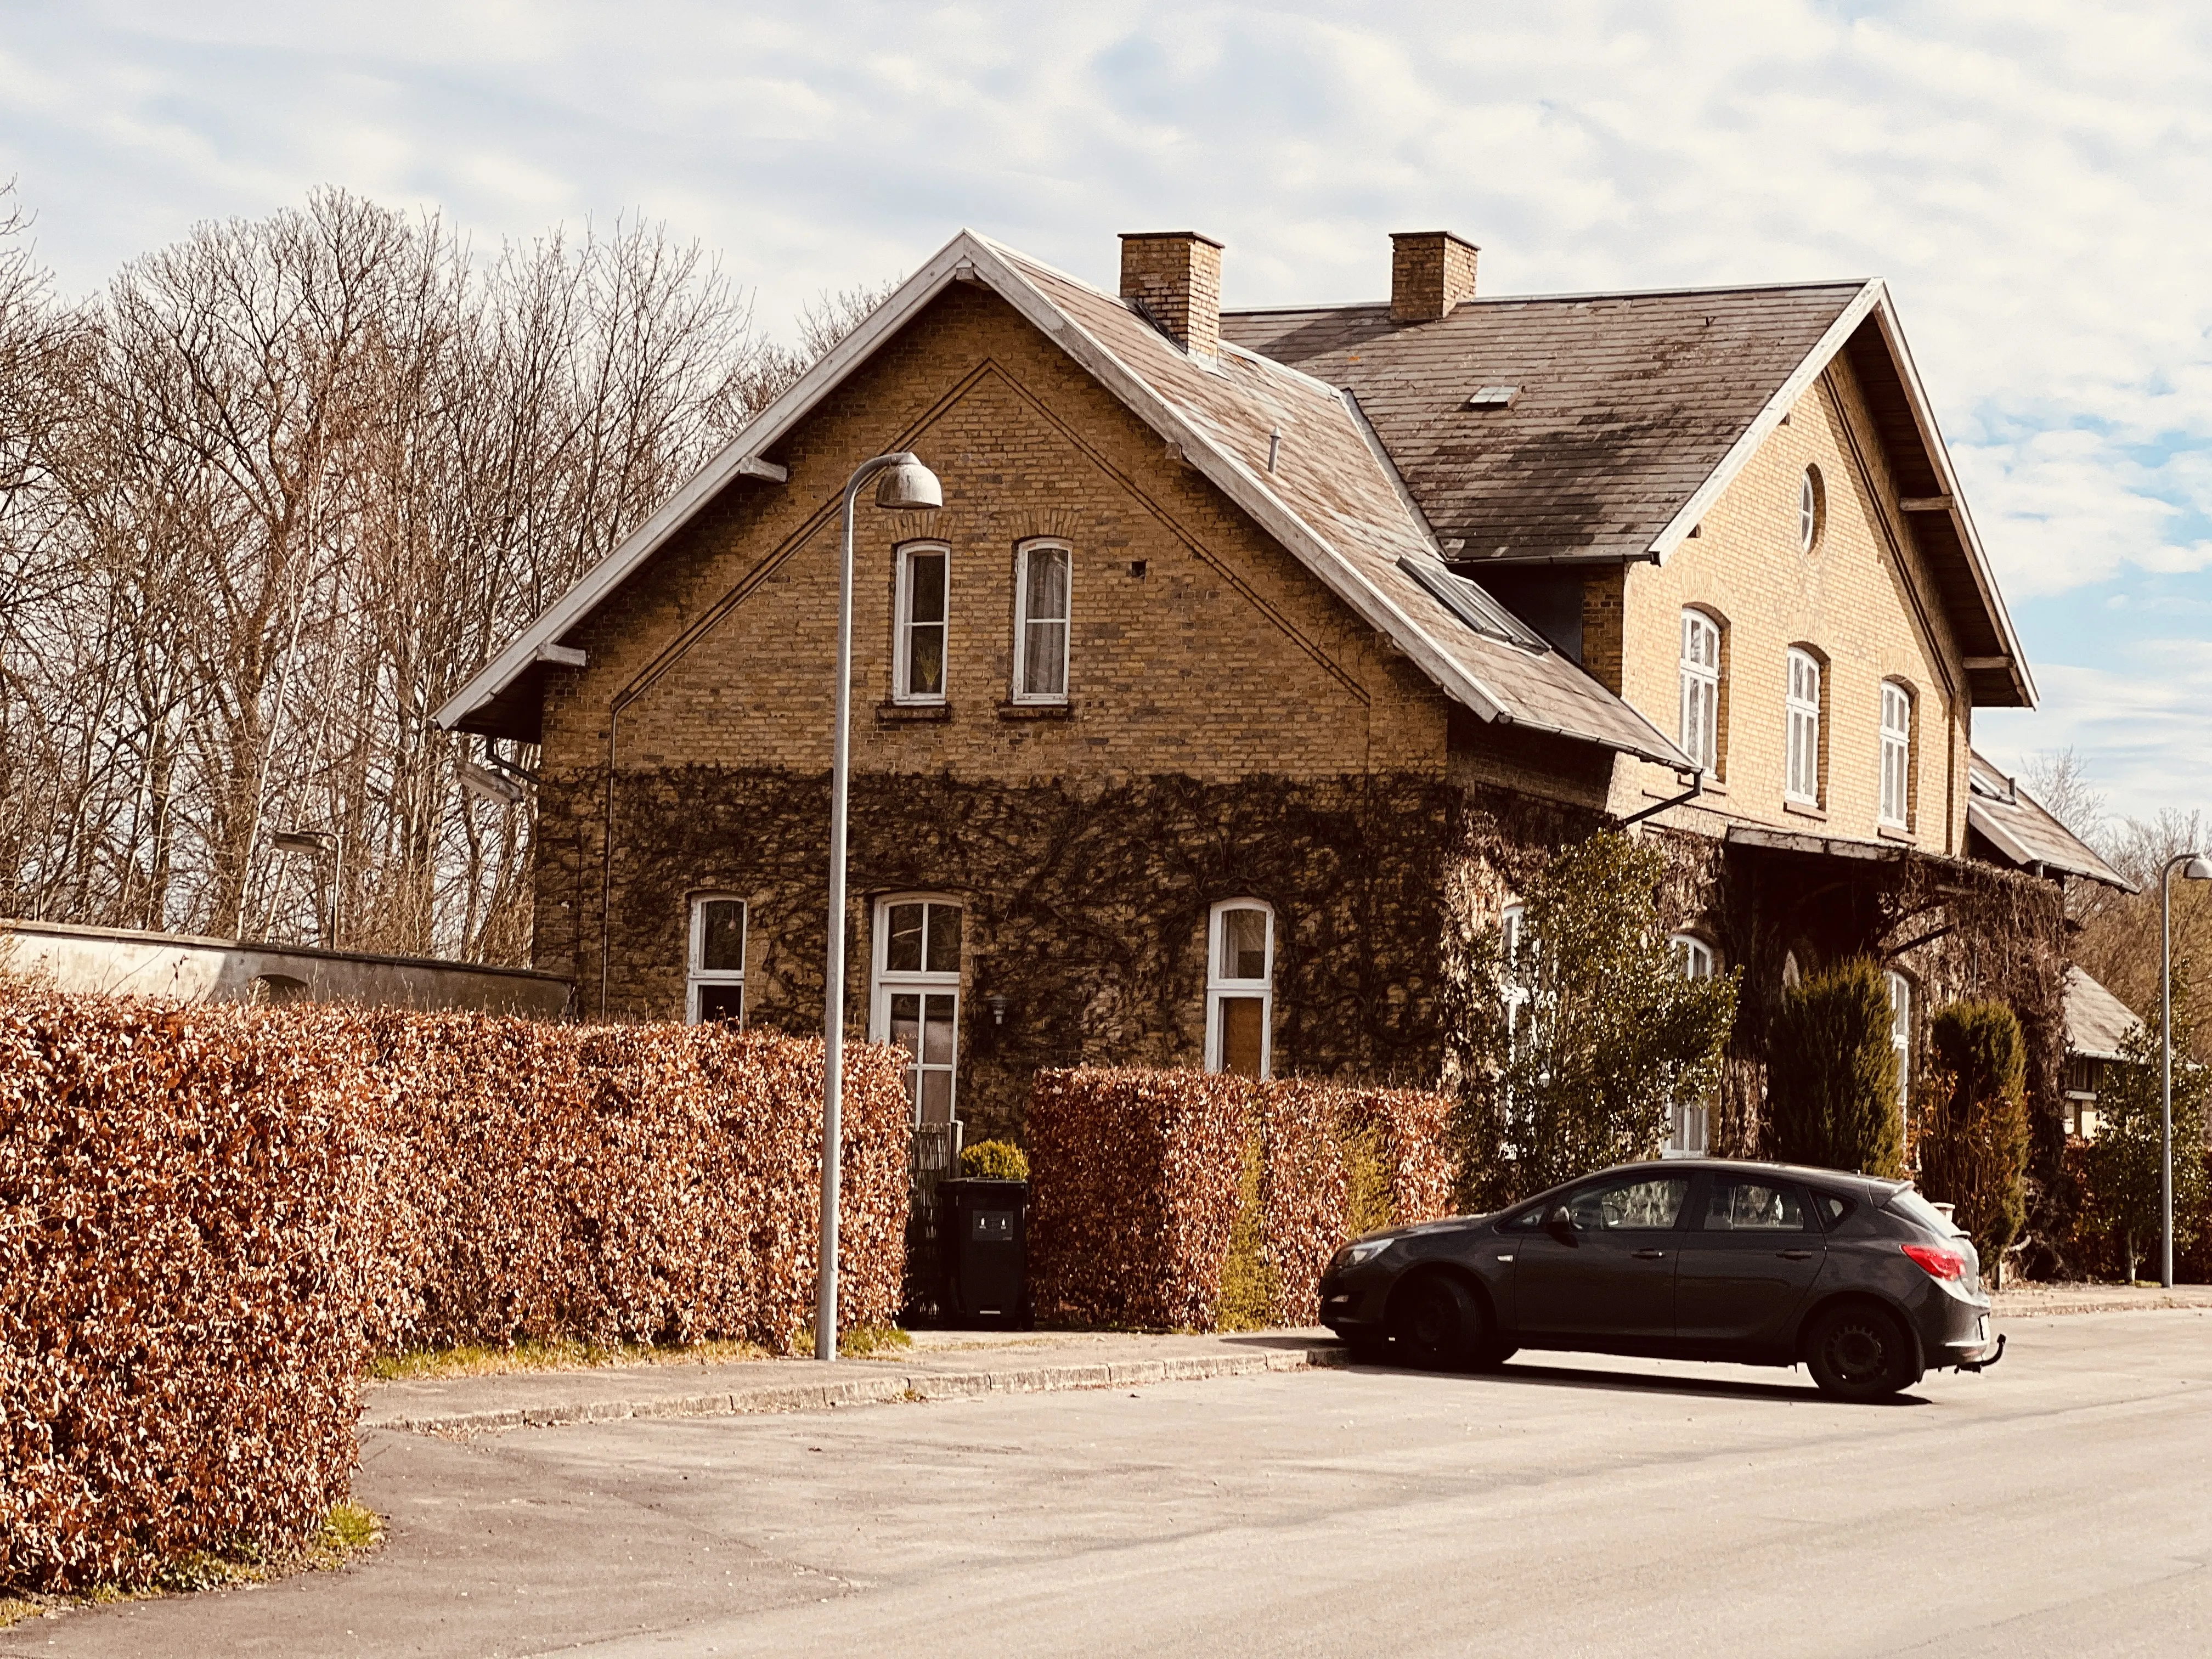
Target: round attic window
(1812, 509)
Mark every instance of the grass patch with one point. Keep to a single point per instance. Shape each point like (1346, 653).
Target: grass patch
(866, 1342)
(347, 1532)
(558, 1355)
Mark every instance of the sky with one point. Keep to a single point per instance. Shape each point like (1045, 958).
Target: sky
(2032, 179)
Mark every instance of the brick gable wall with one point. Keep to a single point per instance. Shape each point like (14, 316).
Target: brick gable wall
(1862, 598)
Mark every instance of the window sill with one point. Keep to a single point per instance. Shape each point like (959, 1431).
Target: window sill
(1036, 711)
(1891, 832)
(912, 714)
(1800, 809)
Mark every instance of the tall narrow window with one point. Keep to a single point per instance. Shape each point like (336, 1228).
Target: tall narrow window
(1802, 783)
(1810, 503)
(715, 983)
(1701, 689)
(917, 998)
(918, 651)
(1900, 1042)
(1240, 988)
(1042, 573)
(1692, 1120)
(1896, 755)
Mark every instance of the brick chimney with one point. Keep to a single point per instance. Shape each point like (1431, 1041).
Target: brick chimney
(1176, 275)
(1430, 272)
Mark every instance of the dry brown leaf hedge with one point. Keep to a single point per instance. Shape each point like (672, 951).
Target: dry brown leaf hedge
(209, 1216)
(1136, 1177)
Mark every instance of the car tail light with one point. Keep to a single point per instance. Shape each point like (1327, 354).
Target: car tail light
(1936, 1260)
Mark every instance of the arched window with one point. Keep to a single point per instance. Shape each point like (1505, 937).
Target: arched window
(1701, 689)
(1691, 1120)
(1240, 988)
(1043, 573)
(1801, 781)
(714, 984)
(1812, 508)
(1896, 755)
(921, 623)
(916, 1003)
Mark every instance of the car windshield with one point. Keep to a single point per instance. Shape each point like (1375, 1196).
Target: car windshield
(1913, 1207)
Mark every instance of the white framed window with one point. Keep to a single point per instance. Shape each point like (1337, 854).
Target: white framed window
(1691, 1129)
(1900, 1041)
(1802, 781)
(1240, 988)
(1701, 689)
(922, 620)
(916, 1003)
(1043, 578)
(1896, 755)
(1811, 504)
(714, 977)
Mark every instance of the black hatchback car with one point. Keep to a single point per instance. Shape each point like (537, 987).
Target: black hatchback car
(1861, 1280)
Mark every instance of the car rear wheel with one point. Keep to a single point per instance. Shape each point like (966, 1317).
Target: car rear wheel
(1859, 1351)
(1439, 1322)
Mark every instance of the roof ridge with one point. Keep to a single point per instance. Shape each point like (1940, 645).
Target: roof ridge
(1546, 299)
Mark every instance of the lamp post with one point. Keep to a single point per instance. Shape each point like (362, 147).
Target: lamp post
(903, 484)
(2193, 867)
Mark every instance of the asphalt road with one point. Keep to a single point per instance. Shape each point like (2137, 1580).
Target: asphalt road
(2060, 1504)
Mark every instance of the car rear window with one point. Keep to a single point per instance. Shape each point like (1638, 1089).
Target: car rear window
(1831, 1207)
(1913, 1207)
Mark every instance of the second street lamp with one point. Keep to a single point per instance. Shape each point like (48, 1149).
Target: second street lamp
(2193, 867)
(903, 484)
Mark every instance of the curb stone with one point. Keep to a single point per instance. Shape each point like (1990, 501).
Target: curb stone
(872, 1390)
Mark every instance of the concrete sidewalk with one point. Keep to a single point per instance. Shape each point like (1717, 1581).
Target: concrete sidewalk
(955, 1364)
(941, 1365)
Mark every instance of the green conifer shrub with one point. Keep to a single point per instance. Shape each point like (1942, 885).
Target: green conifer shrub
(1972, 1142)
(1832, 1075)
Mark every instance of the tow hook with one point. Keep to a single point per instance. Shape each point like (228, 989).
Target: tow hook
(1983, 1364)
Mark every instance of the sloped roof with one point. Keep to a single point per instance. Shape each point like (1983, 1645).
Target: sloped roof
(1332, 500)
(2020, 828)
(1628, 414)
(1621, 404)
(2097, 1022)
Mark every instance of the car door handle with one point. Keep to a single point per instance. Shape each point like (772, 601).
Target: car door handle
(1795, 1256)
(1650, 1255)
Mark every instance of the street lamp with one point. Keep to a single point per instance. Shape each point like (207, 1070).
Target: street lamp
(2193, 867)
(903, 484)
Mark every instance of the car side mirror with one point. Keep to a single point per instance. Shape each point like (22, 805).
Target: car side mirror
(1561, 1219)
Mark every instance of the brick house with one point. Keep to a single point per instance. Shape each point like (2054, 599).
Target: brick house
(1256, 655)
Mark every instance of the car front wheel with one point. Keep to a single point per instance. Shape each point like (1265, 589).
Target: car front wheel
(1859, 1352)
(1439, 1322)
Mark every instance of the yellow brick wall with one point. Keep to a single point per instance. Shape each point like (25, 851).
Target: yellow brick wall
(1198, 646)
(1861, 598)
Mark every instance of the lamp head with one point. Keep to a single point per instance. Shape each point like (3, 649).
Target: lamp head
(2199, 868)
(907, 485)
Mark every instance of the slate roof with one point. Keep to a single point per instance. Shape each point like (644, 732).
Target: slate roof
(2020, 830)
(1623, 405)
(2097, 1022)
(1339, 482)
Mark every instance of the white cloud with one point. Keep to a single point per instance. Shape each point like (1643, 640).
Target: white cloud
(2029, 175)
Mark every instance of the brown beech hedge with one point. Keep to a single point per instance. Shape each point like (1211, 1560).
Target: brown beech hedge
(209, 1217)
(1140, 1189)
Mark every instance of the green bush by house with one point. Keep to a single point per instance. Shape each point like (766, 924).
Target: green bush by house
(995, 1160)
(1831, 1088)
(1971, 1144)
